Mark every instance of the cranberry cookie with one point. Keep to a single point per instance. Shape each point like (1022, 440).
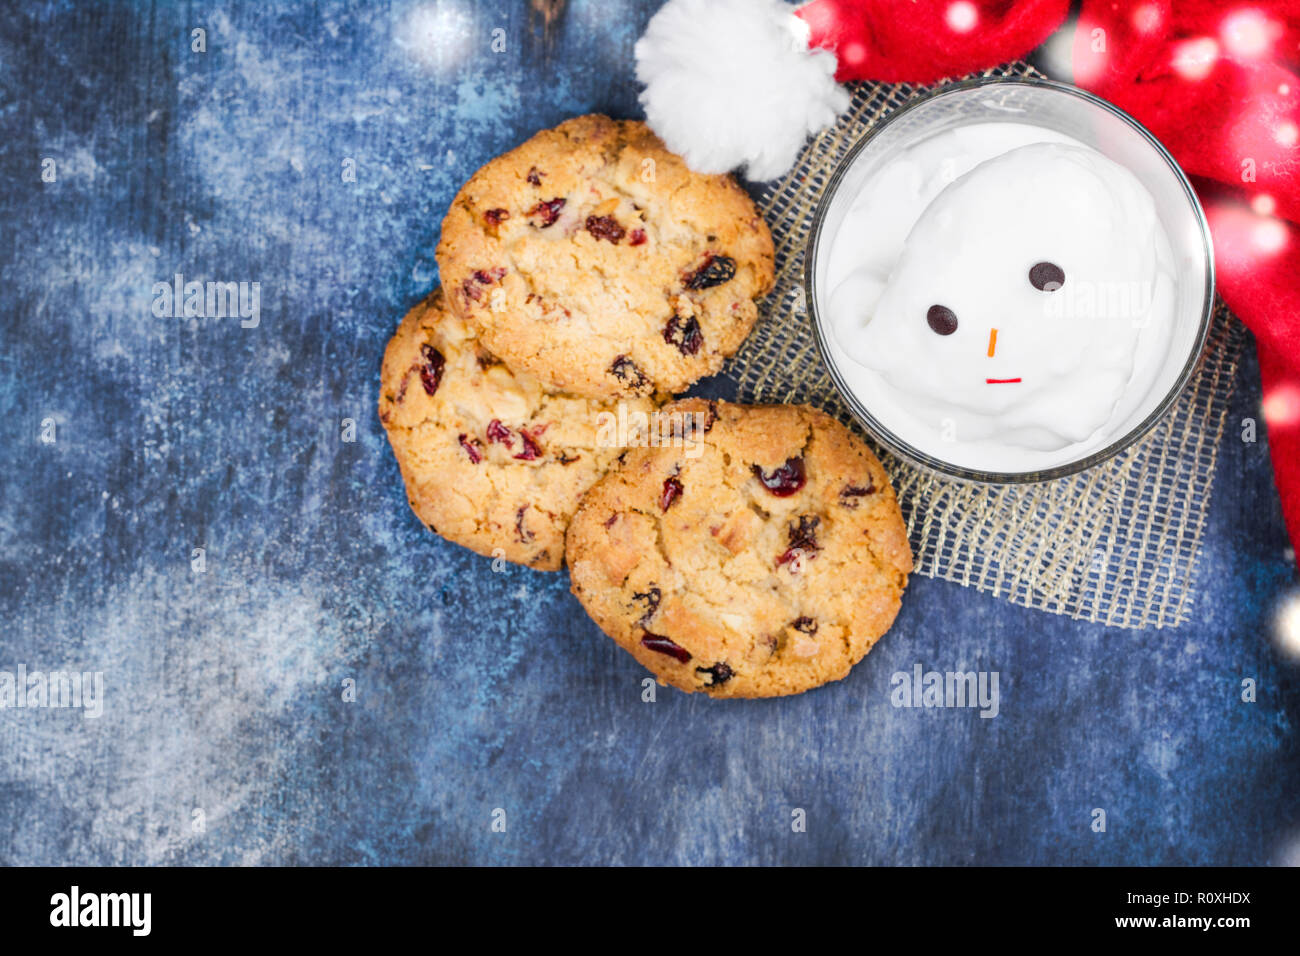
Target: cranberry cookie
(491, 459)
(767, 565)
(593, 258)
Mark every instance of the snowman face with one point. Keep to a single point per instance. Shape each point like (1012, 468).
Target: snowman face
(1015, 307)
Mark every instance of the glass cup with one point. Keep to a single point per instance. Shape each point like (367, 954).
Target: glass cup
(1064, 109)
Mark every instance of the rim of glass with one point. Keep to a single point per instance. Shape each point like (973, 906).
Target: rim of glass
(915, 455)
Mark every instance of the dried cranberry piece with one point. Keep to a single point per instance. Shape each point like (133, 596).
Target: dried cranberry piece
(401, 391)
(805, 534)
(850, 494)
(783, 481)
(531, 451)
(626, 371)
(637, 237)
(672, 491)
(715, 271)
(662, 645)
(605, 227)
(547, 211)
(651, 599)
(494, 217)
(805, 624)
(502, 435)
(534, 176)
(718, 674)
(712, 419)
(471, 447)
(803, 540)
(523, 533)
(481, 277)
(431, 370)
(686, 335)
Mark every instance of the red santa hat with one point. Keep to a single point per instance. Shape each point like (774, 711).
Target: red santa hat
(742, 83)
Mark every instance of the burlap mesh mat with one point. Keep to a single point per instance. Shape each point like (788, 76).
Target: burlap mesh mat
(1117, 544)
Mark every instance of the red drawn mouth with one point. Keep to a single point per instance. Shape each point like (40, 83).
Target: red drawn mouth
(1001, 381)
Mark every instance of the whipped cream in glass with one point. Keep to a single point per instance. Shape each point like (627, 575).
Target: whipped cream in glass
(1000, 295)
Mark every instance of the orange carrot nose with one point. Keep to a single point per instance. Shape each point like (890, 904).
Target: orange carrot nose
(993, 341)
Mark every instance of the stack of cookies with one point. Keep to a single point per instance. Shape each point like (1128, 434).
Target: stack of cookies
(587, 276)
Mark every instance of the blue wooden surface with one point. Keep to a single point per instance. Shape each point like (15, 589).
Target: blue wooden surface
(475, 690)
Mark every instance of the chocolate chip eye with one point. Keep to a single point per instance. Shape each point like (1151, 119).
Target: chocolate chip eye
(1047, 276)
(942, 319)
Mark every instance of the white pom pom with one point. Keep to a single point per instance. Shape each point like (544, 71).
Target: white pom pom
(732, 83)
